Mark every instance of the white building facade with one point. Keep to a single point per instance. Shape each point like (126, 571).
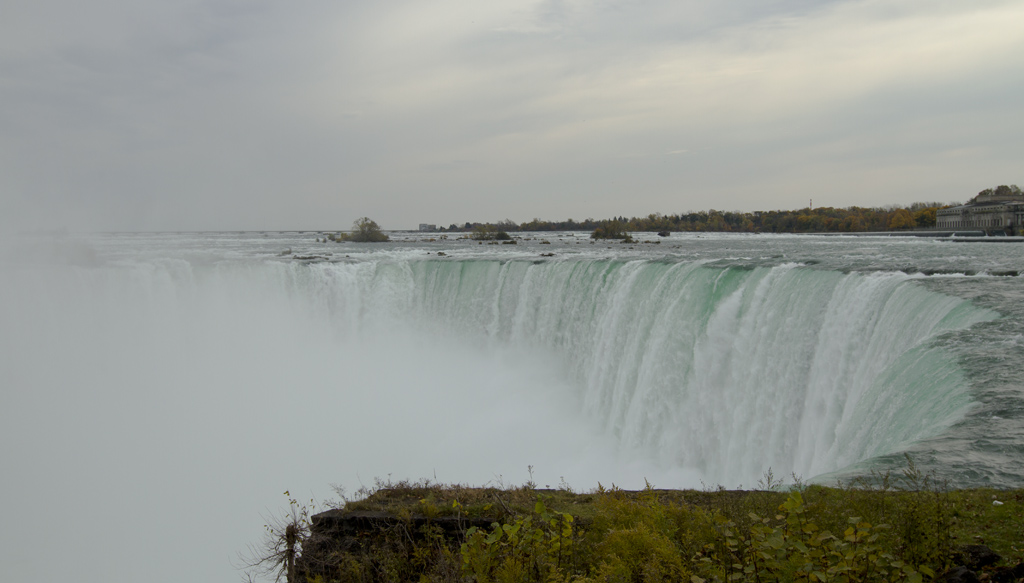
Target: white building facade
(999, 210)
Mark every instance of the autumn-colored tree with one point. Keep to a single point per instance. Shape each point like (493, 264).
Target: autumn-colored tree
(901, 219)
(925, 217)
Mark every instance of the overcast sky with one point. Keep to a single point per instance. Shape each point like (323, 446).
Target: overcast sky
(251, 114)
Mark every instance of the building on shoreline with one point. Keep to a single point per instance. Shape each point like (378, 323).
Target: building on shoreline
(998, 210)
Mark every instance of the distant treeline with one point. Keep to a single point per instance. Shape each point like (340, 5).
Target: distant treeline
(807, 220)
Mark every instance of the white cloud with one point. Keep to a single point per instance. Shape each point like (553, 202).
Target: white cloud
(149, 111)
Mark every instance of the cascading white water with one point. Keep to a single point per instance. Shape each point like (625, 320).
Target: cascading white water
(724, 371)
(729, 371)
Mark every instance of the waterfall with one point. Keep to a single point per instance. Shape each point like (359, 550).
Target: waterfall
(728, 371)
(723, 372)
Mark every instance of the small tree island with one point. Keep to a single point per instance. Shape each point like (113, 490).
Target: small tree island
(612, 229)
(364, 230)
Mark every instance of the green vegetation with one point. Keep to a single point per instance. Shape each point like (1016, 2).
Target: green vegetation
(901, 529)
(806, 220)
(1002, 190)
(490, 233)
(853, 219)
(364, 230)
(612, 230)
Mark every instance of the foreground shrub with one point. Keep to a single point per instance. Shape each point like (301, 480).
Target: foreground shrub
(538, 547)
(895, 532)
(796, 549)
(638, 555)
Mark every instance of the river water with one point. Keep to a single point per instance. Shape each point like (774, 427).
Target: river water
(177, 383)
